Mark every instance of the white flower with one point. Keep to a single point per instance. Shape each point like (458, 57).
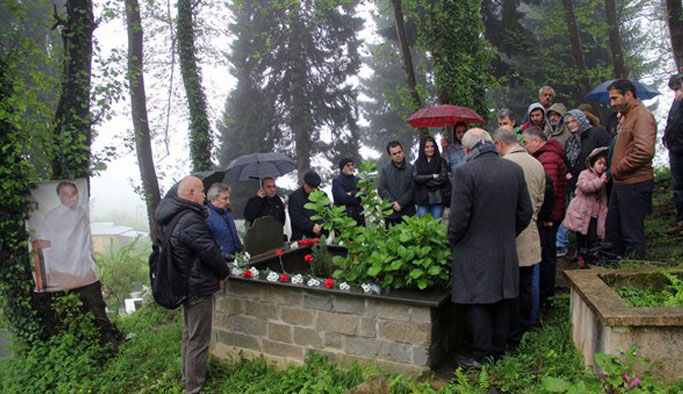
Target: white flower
(294, 245)
(247, 256)
(254, 272)
(366, 287)
(272, 277)
(298, 279)
(237, 271)
(344, 286)
(341, 243)
(313, 282)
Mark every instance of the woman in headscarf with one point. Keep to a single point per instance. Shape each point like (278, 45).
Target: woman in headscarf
(430, 174)
(583, 140)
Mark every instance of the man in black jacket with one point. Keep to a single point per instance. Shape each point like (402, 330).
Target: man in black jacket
(201, 270)
(265, 203)
(344, 190)
(300, 217)
(396, 184)
(673, 140)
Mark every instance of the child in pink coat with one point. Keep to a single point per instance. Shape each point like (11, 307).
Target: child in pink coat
(587, 212)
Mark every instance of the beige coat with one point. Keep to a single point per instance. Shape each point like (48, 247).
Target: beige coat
(528, 241)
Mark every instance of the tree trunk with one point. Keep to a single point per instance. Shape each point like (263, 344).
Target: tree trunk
(200, 132)
(136, 81)
(673, 10)
(73, 135)
(72, 118)
(299, 123)
(615, 40)
(577, 49)
(407, 60)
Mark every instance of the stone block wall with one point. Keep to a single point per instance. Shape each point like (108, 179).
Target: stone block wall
(284, 323)
(602, 322)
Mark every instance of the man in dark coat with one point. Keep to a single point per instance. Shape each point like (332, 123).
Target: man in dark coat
(344, 190)
(300, 217)
(489, 209)
(396, 184)
(265, 203)
(201, 270)
(673, 140)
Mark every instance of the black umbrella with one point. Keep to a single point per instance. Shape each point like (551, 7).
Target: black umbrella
(259, 166)
(208, 178)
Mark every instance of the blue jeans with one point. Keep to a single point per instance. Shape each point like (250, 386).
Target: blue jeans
(562, 241)
(436, 210)
(676, 165)
(535, 294)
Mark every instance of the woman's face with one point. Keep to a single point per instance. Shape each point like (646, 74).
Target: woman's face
(429, 148)
(572, 124)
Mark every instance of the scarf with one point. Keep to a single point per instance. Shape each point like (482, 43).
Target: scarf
(573, 146)
(480, 149)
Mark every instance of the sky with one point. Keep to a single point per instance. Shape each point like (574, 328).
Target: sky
(113, 190)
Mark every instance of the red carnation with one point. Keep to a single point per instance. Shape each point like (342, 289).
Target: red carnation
(316, 239)
(329, 283)
(284, 278)
(308, 257)
(246, 274)
(278, 252)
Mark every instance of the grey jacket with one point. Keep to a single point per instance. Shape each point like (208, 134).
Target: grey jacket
(396, 184)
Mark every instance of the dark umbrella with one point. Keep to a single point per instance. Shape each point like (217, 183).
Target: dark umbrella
(600, 94)
(259, 166)
(208, 178)
(443, 115)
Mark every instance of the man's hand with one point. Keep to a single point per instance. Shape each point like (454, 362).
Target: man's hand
(317, 229)
(568, 176)
(221, 283)
(396, 206)
(260, 192)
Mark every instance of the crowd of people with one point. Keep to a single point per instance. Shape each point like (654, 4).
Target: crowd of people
(511, 197)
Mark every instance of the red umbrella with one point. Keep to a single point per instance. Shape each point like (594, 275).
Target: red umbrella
(443, 115)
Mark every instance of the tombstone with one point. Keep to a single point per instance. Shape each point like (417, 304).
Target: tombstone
(265, 234)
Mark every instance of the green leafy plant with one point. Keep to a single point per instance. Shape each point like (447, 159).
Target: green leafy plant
(122, 269)
(414, 253)
(670, 296)
(622, 373)
(321, 261)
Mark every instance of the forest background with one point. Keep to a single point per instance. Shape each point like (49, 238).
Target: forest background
(356, 101)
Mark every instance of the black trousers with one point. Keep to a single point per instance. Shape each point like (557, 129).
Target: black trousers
(520, 309)
(548, 261)
(625, 227)
(489, 327)
(585, 242)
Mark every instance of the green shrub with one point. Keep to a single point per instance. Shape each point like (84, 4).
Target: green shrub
(321, 264)
(123, 269)
(412, 254)
(64, 363)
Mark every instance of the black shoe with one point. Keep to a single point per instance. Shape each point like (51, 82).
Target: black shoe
(466, 362)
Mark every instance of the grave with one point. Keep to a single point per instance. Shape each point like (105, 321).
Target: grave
(602, 322)
(402, 331)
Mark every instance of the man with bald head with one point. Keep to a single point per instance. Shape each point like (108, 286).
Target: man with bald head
(490, 207)
(201, 271)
